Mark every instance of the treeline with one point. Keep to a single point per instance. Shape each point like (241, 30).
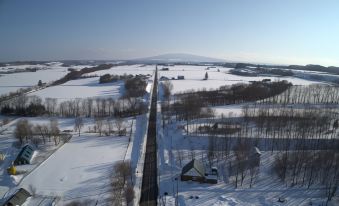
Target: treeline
(107, 78)
(237, 93)
(135, 86)
(310, 67)
(260, 71)
(12, 71)
(24, 105)
(307, 168)
(74, 74)
(318, 68)
(38, 134)
(311, 94)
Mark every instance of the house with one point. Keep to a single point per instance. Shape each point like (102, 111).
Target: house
(266, 80)
(19, 198)
(25, 156)
(181, 77)
(162, 78)
(195, 171)
(165, 69)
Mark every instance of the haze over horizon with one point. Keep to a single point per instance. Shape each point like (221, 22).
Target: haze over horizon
(273, 32)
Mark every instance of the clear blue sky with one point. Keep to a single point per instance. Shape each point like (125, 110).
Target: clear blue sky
(271, 31)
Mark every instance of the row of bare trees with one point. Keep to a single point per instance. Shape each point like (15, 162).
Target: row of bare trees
(99, 107)
(102, 126)
(311, 94)
(307, 168)
(26, 132)
(237, 93)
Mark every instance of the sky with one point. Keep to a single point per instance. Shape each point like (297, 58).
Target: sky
(260, 31)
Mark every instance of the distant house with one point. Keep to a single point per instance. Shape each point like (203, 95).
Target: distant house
(181, 77)
(19, 198)
(25, 156)
(195, 171)
(162, 78)
(165, 69)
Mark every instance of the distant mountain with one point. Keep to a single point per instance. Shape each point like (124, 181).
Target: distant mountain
(178, 57)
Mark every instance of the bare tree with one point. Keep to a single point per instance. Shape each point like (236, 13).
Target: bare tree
(39, 129)
(23, 130)
(241, 151)
(78, 124)
(99, 124)
(119, 123)
(54, 129)
(129, 194)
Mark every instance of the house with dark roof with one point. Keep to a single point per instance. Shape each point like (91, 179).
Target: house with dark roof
(18, 198)
(25, 156)
(195, 171)
(180, 77)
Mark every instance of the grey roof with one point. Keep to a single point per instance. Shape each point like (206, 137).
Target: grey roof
(18, 198)
(26, 153)
(196, 165)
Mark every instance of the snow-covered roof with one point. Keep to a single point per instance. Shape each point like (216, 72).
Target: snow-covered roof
(197, 165)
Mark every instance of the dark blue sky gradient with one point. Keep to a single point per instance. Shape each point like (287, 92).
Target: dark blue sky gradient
(272, 31)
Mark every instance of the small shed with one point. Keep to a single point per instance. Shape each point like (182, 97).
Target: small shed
(25, 156)
(194, 171)
(181, 77)
(18, 198)
(266, 80)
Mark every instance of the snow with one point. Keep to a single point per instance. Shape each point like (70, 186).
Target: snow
(15, 81)
(194, 78)
(234, 110)
(83, 88)
(85, 160)
(80, 168)
(267, 188)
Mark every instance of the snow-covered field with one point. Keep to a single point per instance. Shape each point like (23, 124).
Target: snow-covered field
(83, 88)
(46, 73)
(194, 78)
(9, 147)
(79, 169)
(15, 81)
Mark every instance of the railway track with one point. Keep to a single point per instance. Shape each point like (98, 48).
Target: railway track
(149, 188)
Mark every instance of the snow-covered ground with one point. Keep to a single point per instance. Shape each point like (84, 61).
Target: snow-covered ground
(45, 72)
(83, 88)
(79, 169)
(266, 191)
(234, 110)
(194, 78)
(15, 81)
(10, 148)
(90, 87)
